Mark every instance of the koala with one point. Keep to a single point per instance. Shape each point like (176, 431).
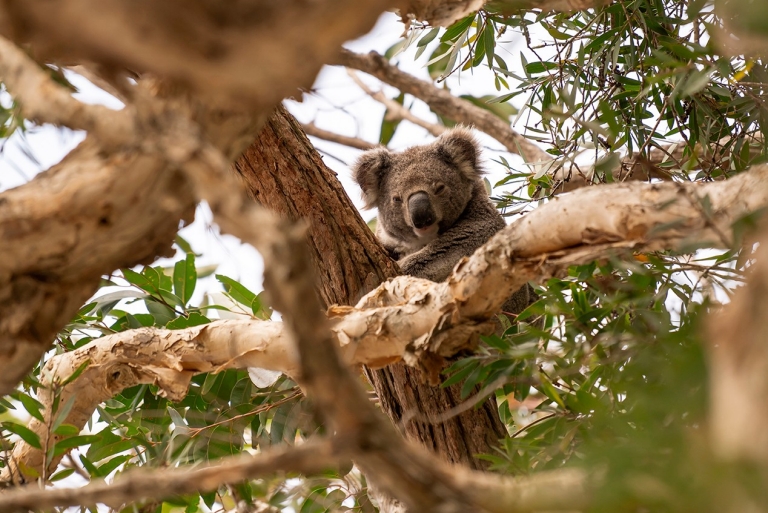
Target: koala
(433, 206)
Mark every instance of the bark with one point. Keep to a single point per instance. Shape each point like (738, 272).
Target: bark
(251, 52)
(285, 173)
(64, 230)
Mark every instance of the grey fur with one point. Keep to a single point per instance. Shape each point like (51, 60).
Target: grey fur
(449, 173)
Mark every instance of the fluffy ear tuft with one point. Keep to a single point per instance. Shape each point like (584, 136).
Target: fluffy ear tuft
(368, 172)
(461, 147)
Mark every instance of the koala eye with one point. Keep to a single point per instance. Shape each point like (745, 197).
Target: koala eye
(440, 188)
(397, 199)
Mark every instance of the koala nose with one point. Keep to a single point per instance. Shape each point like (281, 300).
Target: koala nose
(420, 209)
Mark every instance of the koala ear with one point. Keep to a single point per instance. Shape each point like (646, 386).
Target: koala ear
(369, 171)
(461, 147)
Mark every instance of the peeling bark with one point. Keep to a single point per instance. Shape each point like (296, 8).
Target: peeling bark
(68, 227)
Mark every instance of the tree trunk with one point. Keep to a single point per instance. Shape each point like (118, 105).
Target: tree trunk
(285, 173)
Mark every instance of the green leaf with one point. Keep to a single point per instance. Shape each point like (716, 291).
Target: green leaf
(105, 469)
(66, 444)
(62, 474)
(489, 102)
(539, 67)
(139, 280)
(237, 291)
(32, 406)
(183, 245)
(458, 28)
(490, 43)
(192, 319)
(695, 82)
(80, 369)
(67, 430)
(26, 434)
(185, 278)
(63, 413)
(389, 126)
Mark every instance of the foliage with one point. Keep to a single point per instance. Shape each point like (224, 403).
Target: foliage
(607, 370)
(626, 79)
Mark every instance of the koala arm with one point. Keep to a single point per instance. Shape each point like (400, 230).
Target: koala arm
(436, 260)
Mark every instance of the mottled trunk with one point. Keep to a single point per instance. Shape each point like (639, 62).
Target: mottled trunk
(285, 173)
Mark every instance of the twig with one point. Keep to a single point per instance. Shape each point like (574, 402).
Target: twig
(352, 142)
(309, 458)
(445, 104)
(396, 111)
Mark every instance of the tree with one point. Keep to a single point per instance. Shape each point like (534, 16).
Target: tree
(625, 386)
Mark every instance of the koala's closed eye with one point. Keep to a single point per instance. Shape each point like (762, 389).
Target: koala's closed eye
(440, 188)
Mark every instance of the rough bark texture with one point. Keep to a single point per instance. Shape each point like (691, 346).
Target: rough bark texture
(401, 390)
(285, 173)
(64, 230)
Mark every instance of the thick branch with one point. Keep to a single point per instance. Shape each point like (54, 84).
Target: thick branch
(159, 483)
(249, 52)
(67, 228)
(45, 101)
(445, 104)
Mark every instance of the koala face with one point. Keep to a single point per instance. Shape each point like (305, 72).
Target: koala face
(422, 191)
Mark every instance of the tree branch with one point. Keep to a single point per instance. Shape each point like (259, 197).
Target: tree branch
(396, 111)
(143, 483)
(352, 142)
(249, 53)
(738, 363)
(45, 101)
(444, 103)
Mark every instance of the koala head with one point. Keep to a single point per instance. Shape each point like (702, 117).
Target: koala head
(422, 191)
